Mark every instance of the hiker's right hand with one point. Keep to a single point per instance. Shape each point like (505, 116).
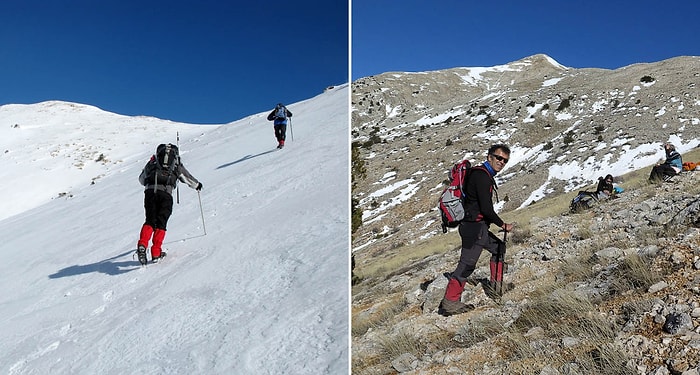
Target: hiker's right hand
(507, 227)
(199, 187)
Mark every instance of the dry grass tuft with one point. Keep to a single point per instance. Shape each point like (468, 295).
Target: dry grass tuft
(479, 329)
(549, 310)
(393, 346)
(606, 359)
(634, 272)
(565, 316)
(384, 315)
(580, 268)
(520, 235)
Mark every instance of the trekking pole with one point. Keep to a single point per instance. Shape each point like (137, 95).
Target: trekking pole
(201, 211)
(177, 192)
(291, 131)
(500, 260)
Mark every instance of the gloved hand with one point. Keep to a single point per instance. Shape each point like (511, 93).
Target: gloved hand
(199, 187)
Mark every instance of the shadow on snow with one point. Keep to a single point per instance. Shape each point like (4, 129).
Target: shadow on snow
(247, 157)
(107, 266)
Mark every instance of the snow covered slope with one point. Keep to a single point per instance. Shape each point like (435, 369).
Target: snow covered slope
(264, 291)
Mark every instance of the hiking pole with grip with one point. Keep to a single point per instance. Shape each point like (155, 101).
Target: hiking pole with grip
(498, 267)
(201, 211)
(501, 263)
(291, 131)
(177, 191)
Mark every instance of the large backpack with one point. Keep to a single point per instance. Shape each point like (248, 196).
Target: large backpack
(689, 166)
(451, 204)
(583, 201)
(281, 113)
(166, 162)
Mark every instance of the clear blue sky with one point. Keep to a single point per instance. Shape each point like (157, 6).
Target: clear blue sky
(422, 35)
(198, 61)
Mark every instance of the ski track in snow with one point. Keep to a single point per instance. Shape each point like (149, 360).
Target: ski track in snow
(265, 291)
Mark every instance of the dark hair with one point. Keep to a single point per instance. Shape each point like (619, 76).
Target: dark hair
(501, 146)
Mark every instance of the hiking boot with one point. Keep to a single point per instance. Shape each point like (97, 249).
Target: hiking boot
(448, 307)
(141, 251)
(156, 259)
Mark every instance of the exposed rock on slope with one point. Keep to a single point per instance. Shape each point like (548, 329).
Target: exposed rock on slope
(613, 290)
(566, 127)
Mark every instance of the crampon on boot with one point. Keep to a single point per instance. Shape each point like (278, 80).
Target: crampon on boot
(141, 252)
(158, 258)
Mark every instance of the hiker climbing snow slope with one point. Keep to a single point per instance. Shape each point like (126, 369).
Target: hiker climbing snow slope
(160, 176)
(281, 116)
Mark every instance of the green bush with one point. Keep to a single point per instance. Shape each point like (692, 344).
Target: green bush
(356, 215)
(564, 104)
(569, 138)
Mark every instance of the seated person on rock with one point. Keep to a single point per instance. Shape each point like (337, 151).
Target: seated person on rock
(670, 167)
(605, 187)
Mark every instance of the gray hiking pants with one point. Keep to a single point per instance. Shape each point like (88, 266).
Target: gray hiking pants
(475, 238)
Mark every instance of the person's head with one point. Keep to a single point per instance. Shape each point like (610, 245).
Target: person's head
(279, 105)
(498, 156)
(669, 147)
(609, 179)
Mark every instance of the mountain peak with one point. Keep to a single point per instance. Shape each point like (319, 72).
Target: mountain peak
(539, 60)
(566, 127)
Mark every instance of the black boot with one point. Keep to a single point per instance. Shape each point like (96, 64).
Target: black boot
(142, 255)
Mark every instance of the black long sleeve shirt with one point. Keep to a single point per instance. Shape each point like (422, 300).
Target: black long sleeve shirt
(478, 203)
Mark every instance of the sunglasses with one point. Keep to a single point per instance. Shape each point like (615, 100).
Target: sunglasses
(500, 158)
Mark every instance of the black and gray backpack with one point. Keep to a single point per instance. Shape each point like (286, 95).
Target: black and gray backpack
(166, 162)
(583, 201)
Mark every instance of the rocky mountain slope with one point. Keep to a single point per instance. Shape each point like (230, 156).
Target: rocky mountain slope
(566, 127)
(613, 290)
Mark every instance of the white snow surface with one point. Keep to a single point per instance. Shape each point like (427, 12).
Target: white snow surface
(264, 290)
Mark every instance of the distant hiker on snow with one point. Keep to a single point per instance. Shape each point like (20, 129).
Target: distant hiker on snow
(280, 115)
(670, 167)
(160, 176)
(478, 188)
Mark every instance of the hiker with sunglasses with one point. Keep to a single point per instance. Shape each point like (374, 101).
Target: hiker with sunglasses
(474, 229)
